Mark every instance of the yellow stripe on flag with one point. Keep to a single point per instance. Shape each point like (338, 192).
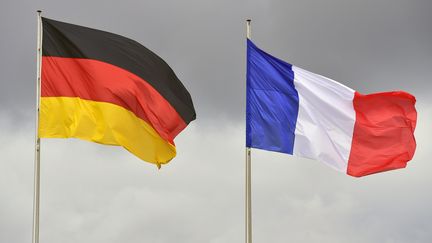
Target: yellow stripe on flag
(105, 123)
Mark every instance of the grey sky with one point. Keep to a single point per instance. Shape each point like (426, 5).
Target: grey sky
(94, 193)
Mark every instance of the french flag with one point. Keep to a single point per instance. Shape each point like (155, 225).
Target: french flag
(294, 111)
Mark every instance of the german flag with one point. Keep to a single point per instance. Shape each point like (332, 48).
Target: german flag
(108, 89)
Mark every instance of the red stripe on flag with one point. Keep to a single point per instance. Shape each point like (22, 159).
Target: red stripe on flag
(99, 81)
(383, 136)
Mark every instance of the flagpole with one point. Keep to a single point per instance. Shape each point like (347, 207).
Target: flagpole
(36, 196)
(248, 203)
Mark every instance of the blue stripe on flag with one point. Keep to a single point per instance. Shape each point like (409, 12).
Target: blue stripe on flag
(272, 102)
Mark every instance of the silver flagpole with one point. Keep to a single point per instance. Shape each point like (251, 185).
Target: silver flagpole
(37, 139)
(248, 203)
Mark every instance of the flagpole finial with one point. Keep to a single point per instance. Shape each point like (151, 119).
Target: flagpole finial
(248, 28)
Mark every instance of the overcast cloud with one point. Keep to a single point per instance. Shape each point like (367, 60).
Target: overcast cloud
(93, 193)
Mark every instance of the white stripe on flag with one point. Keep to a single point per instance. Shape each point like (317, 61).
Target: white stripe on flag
(325, 121)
